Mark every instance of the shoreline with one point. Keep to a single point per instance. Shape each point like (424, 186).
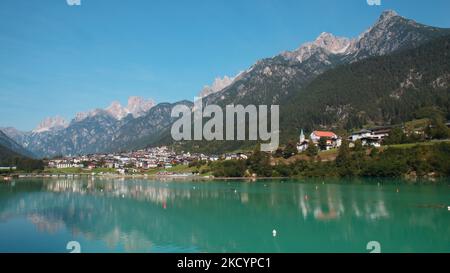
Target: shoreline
(406, 179)
(141, 176)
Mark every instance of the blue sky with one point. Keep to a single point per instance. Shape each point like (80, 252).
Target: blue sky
(58, 59)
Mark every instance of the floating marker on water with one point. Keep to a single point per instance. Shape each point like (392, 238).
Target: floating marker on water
(448, 208)
(317, 187)
(235, 191)
(123, 195)
(274, 233)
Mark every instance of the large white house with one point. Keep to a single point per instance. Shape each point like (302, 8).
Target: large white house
(360, 134)
(371, 137)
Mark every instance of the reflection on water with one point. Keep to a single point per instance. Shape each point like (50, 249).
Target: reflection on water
(225, 216)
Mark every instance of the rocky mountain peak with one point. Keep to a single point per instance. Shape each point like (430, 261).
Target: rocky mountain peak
(117, 110)
(218, 85)
(384, 22)
(51, 123)
(325, 43)
(89, 114)
(390, 33)
(387, 15)
(138, 106)
(335, 45)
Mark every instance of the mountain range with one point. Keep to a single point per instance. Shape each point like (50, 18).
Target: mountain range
(99, 130)
(295, 80)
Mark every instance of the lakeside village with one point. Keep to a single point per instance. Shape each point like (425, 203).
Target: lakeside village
(162, 160)
(297, 158)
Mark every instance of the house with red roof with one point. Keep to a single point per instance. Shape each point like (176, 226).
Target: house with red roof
(332, 140)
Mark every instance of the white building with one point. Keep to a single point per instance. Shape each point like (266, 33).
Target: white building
(302, 145)
(371, 137)
(332, 140)
(360, 134)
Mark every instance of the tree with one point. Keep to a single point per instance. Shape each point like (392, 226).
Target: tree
(323, 143)
(312, 149)
(432, 113)
(374, 152)
(438, 130)
(358, 146)
(29, 165)
(396, 136)
(229, 168)
(290, 150)
(343, 156)
(283, 170)
(259, 163)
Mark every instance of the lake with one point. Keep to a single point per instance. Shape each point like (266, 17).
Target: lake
(126, 215)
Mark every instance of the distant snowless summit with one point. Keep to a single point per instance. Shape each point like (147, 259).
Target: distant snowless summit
(51, 123)
(137, 107)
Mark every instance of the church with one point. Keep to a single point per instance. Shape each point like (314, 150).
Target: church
(302, 145)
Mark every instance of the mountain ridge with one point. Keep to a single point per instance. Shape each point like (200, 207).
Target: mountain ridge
(97, 133)
(391, 32)
(11, 145)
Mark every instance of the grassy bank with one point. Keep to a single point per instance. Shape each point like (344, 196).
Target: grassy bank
(429, 159)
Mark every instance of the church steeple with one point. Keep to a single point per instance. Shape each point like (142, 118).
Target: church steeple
(302, 136)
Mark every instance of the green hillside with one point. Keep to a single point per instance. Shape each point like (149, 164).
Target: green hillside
(7, 156)
(376, 91)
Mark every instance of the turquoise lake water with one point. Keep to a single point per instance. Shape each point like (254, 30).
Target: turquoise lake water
(43, 215)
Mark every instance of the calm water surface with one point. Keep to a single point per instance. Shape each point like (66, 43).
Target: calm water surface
(40, 215)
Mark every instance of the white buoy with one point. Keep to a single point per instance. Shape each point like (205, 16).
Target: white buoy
(235, 191)
(123, 195)
(274, 233)
(448, 208)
